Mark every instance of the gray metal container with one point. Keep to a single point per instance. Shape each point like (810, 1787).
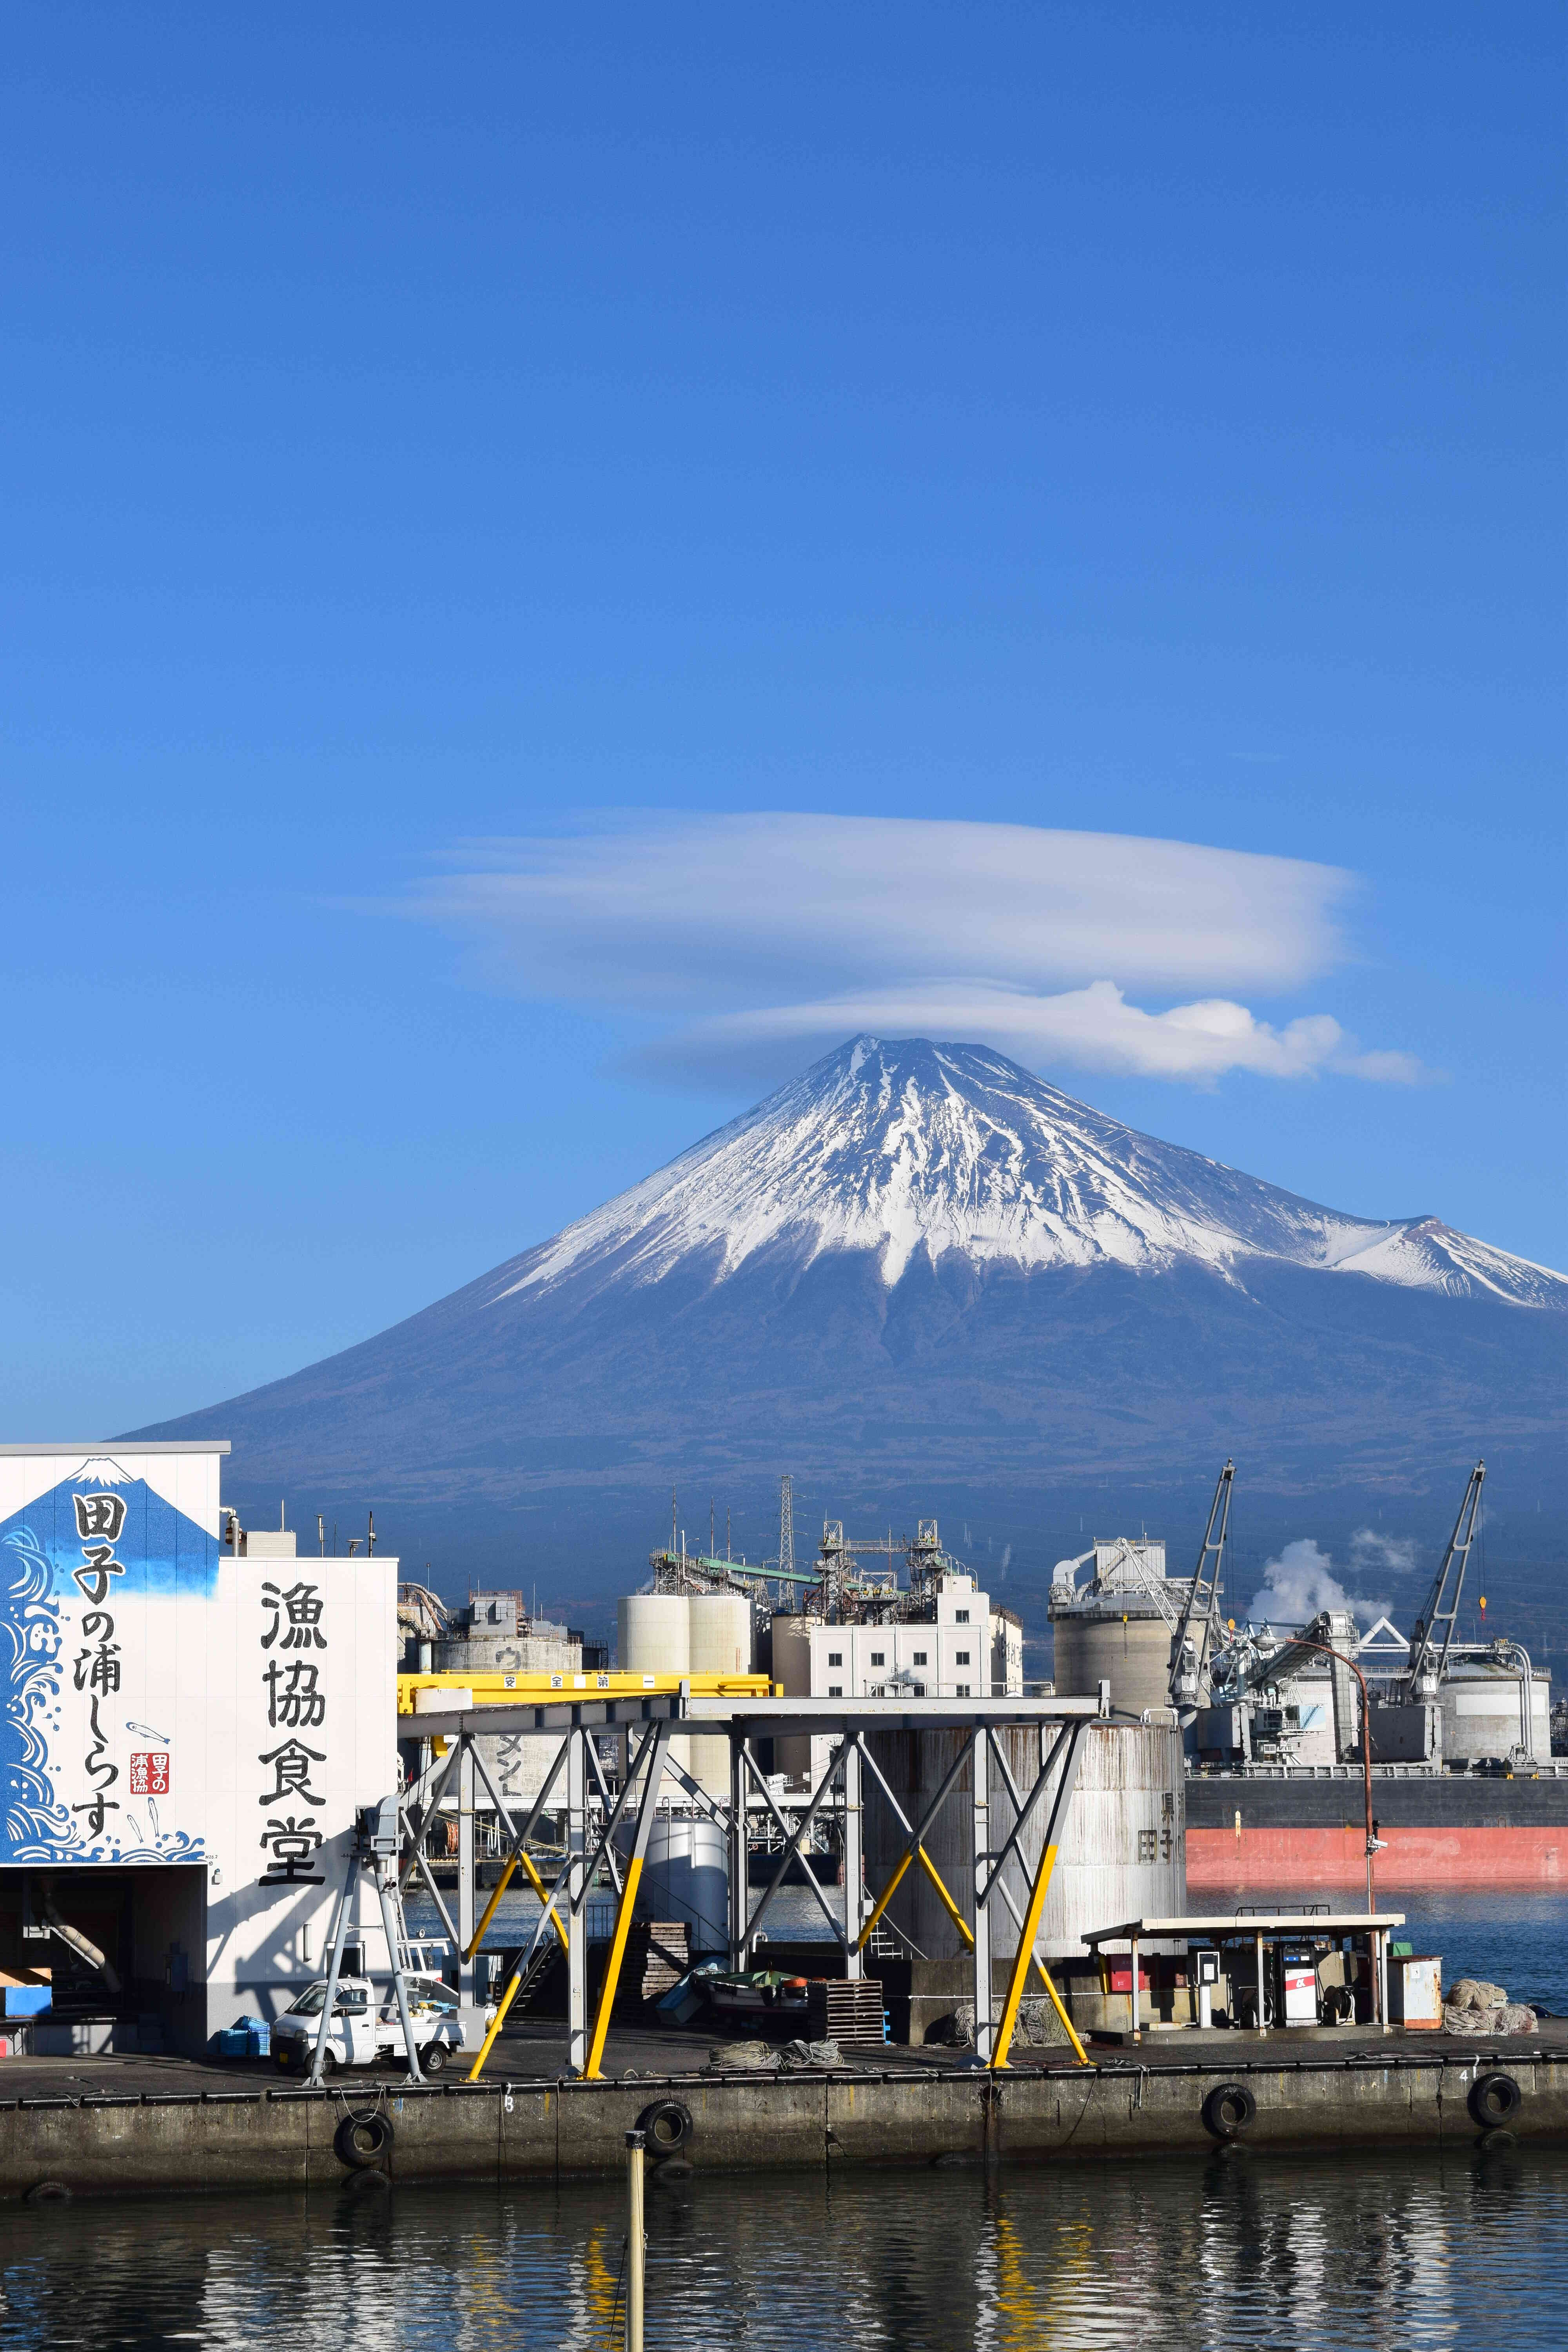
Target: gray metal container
(1131, 1651)
(1122, 1851)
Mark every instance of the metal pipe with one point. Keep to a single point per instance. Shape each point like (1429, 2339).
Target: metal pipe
(1300, 1642)
(73, 1938)
(637, 2240)
(980, 1941)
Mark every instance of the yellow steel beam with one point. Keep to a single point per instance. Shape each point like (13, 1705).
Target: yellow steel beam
(496, 1690)
(885, 1897)
(498, 2020)
(956, 1916)
(1079, 2051)
(1023, 1959)
(613, 1968)
(525, 1862)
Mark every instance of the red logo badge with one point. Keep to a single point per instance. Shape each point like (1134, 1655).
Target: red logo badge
(150, 1774)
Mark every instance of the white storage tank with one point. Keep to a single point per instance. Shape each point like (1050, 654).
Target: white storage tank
(686, 1875)
(721, 1644)
(654, 1637)
(1122, 1854)
(1483, 1714)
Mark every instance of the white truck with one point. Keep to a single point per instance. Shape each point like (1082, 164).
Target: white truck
(363, 2029)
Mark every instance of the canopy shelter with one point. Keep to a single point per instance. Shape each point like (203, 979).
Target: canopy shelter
(1259, 1928)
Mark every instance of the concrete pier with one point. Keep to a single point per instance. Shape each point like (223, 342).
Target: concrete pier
(152, 2128)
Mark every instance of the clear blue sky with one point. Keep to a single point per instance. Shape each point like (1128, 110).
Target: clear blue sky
(423, 427)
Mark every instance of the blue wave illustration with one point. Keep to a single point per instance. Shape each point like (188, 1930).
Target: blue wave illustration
(32, 1824)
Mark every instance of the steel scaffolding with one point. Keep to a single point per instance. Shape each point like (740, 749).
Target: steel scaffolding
(646, 1725)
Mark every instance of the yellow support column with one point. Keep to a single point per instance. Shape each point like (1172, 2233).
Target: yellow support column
(628, 1900)
(883, 1900)
(496, 2022)
(1025, 1957)
(959, 1921)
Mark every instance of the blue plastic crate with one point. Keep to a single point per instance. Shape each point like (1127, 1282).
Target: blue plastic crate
(247, 2037)
(25, 2001)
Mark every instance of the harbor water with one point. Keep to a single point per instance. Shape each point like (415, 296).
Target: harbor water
(1403, 2252)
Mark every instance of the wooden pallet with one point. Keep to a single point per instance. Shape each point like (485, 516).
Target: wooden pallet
(658, 1953)
(846, 2011)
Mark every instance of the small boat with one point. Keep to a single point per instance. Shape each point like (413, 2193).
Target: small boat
(756, 1997)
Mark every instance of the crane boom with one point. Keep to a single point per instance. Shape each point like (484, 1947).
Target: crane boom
(1198, 1625)
(1434, 1629)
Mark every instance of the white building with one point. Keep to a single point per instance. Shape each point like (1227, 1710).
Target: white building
(967, 1650)
(188, 1728)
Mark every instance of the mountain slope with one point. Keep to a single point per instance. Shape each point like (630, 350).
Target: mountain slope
(895, 1148)
(924, 1280)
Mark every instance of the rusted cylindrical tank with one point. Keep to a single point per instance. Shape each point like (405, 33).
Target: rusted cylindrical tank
(1121, 1847)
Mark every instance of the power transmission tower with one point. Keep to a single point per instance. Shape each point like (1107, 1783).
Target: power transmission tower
(786, 1524)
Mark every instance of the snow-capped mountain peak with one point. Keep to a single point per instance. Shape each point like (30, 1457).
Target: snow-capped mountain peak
(894, 1147)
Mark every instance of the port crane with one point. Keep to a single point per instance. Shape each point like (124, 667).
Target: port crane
(1198, 1628)
(1432, 1635)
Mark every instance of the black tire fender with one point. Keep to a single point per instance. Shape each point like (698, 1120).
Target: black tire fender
(47, 2192)
(363, 2140)
(1494, 2098)
(668, 2126)
(1228, 2109)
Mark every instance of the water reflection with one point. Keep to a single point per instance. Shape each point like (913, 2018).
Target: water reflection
(1240, 2251)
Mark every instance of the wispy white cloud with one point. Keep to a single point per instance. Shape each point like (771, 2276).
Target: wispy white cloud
(1395, 1554)
(761, 933)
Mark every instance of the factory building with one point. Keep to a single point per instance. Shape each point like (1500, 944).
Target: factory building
(191, 1717)
(961, 1649)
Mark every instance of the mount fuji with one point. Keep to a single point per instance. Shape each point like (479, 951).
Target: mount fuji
(924, 1280)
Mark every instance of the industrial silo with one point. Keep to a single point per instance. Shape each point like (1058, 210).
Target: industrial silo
(1484, 1714)
(1122, 1851)
(654, 1637)
(1117, 1628)
(1130, 1648)
(719, 1643)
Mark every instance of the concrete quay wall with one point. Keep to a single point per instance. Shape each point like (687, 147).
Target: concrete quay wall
(230, 2141)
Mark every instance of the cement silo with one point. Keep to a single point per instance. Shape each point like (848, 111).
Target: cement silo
(1118, 1627)
(1128, 1647)
(719, 1643)
(1122, 1852)
(654, 1637)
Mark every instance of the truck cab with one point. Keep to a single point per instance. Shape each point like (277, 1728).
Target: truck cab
(363, 2029)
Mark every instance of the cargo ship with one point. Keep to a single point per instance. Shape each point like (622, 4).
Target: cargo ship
(1276, 1721)
(1272, 1831)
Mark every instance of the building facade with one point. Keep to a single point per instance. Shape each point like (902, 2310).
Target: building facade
(190, 1720)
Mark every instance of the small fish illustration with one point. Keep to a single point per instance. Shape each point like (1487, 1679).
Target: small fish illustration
(147, 1731)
